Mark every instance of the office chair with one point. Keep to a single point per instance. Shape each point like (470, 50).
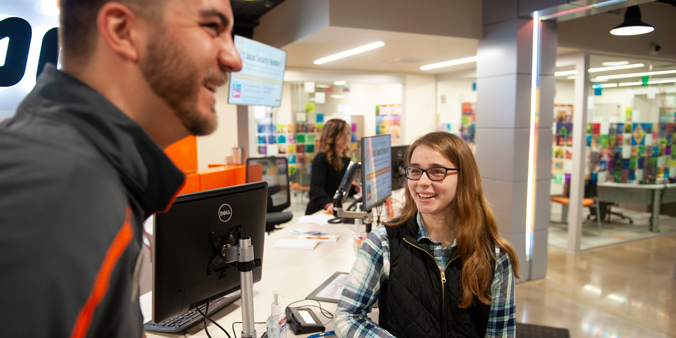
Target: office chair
(606, 212)
(589, 201)
(604, 207)
(275, 171)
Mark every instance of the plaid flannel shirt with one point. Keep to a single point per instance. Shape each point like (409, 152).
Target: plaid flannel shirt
(372, 267)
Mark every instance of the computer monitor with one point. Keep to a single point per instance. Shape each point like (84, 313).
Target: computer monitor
(376, 173)
(398, 163)
(184, 250)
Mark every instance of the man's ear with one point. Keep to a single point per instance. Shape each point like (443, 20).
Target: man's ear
(120, 30)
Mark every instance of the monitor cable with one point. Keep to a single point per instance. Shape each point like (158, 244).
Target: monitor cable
(211, 320)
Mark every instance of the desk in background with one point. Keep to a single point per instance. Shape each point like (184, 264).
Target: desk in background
(655, 194)
(293, 272)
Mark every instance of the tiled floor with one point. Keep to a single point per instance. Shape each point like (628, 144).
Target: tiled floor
(622, 290)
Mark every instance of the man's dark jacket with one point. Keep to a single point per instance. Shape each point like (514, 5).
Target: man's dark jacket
(77, 179)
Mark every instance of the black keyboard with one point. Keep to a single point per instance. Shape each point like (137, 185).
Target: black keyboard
(182, 322)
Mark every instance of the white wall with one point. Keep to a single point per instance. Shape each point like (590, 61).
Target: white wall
(645, 100)
(564, 92)
(215, 147)
(364, 98)
(456, 92)
(420, 107)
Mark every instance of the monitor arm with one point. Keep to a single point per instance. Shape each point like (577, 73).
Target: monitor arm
(343, 191)
(242, 255)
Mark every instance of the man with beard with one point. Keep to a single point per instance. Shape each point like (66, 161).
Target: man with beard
(81, 162)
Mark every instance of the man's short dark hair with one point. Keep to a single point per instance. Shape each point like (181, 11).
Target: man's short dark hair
(78, 23)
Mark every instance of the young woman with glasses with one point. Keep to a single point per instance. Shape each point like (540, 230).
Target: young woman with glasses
(329, 165)
(441, 268)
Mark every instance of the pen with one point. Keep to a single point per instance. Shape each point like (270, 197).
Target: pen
(323, 334)
(316, 237)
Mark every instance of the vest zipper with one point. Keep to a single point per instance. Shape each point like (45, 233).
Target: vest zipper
(443, 284)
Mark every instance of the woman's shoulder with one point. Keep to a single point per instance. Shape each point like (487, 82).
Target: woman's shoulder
(320, 157)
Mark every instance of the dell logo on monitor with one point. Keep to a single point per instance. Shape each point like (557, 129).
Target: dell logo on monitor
(224, 212)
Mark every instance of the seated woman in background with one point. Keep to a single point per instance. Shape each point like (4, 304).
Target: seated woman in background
(441, 269)
(329, 165)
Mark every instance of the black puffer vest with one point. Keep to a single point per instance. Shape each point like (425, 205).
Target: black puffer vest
(419, 300)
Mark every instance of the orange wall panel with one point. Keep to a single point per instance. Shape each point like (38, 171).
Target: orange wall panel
(240, 174)
(214, 178)
(184, 154)
(192, 184)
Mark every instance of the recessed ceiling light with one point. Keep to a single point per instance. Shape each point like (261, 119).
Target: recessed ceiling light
(650, 82)
(598, 80)
(606, 69)
(608, 85)
(615, 63)
(600, 69)
(623, 76)
(565, 73)
(449, 63)
(322, 86)
(349, 52)
(340, 83)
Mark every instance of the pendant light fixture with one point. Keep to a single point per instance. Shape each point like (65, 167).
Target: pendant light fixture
(632, 24)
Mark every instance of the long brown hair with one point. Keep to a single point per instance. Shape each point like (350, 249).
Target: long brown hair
(333, 129)
(474, 222)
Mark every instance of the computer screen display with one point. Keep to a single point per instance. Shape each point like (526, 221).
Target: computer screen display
(398, 163)
(262, 76)
(184, 250)
(376, 171)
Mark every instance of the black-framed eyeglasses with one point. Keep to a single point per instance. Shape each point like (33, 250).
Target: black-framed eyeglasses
(433, 173)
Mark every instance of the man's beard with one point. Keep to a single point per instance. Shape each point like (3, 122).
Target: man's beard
(172, 76)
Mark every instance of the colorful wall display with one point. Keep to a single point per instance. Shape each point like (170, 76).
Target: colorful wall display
(468, 124)
(388, 121)
(299, 142)
(621, 152)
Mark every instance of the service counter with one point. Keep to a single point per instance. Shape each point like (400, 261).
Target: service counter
(293, 272)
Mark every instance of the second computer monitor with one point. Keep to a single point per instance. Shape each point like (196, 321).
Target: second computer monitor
(398, 164)
(376, 170)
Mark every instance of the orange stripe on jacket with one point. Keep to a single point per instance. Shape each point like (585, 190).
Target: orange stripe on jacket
(115, 250)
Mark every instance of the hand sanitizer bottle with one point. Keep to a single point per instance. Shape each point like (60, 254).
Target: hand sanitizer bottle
(276, 323)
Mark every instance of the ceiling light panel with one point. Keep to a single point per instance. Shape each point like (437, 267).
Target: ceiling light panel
(350, 52)
(624, 76)
(449, 63)
(615, 63)
(606, 69)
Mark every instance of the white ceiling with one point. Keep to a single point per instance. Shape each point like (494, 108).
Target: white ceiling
(402, 52)
(406, 52)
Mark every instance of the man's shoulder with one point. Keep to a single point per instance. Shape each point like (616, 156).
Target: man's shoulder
(45, 155)
(49, 145)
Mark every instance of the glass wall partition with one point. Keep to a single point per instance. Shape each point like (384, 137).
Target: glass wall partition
(630, 133)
